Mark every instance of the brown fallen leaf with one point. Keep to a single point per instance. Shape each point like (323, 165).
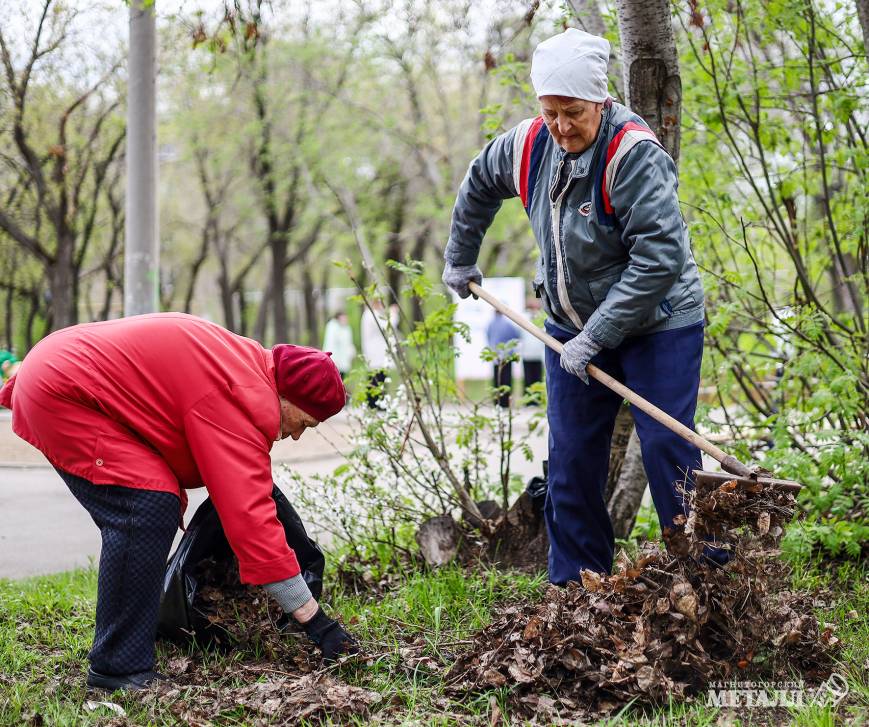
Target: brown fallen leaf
(684, 600)
(532, 628)
(493, 678)
(591, 581)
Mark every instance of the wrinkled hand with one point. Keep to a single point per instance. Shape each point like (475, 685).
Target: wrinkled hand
(457, 277)
(330, 636)
(577, 353)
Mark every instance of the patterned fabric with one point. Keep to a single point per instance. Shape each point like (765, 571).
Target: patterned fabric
(137, 528)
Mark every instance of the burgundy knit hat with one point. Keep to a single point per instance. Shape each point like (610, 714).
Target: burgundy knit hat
(309, 379)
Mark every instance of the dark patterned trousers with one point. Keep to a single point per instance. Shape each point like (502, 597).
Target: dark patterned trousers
(137, 528)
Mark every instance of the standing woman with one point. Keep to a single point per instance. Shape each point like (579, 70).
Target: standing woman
(338, 339)
(615, 275)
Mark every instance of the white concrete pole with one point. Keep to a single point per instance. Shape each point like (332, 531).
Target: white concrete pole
(141, 248)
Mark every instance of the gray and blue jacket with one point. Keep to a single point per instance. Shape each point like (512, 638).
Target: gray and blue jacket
(615, 256)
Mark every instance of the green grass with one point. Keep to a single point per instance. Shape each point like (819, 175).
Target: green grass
(46, 626)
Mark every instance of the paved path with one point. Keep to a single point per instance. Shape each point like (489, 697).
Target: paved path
(44, 530)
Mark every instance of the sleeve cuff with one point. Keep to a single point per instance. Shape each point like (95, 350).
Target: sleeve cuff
(604, 332)
(456, 256)
(291, 594)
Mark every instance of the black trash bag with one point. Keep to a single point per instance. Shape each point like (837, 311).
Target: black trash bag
(203, 540)
(537, 488)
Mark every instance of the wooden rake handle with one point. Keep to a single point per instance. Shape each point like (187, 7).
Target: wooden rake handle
(728, 462)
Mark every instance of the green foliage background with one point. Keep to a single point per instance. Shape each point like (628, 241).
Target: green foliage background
(369, 113)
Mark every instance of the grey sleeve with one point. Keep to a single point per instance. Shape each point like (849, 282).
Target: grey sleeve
(487, 184)
(644, 197)
(291, 594)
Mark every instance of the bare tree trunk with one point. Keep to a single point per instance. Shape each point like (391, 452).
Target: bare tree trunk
(625, 501)
(226, 297)
(195, 267)
(278, 286)
(7, 318)
(113, 281)
(259, 328)
(618, 446)
(310, 300)
(863, 14)
(29, 338)
(11, 293)
(63, 285)
(241, 301)
(653, 87)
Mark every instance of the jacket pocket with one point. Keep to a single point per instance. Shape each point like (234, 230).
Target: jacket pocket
(599, 287)
(679, 299)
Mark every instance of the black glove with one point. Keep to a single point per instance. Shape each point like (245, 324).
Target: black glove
(330, 636)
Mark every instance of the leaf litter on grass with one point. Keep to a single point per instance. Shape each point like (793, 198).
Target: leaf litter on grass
(261, 663)
(665, 625)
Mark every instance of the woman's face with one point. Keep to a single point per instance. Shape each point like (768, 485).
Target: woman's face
(573, 122)
(294, 421)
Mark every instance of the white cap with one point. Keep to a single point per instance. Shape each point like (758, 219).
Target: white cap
(573, 64)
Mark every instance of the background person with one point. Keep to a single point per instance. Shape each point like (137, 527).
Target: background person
(375, 350)
(129, 435)
(9, 364)
(616, 277)
(502, 332)
(338, 339)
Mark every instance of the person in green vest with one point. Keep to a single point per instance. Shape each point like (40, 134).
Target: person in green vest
(9, 364)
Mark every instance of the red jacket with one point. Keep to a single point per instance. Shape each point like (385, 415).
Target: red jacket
(163, 402)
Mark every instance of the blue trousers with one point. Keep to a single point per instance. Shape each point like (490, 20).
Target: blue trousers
(661, 367)
(137, 528)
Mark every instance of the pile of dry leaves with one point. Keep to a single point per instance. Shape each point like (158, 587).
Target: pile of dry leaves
(665, 624)
(264, 665)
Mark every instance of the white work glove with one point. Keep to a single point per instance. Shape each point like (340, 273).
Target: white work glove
(578, 352)
(457, 277)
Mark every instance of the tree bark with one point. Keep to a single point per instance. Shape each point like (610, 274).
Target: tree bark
(227, 302)
(863, 15)
(63, 285)
(653, 86)
(259, 328)
(618, 446)
(628, 493)
(309, 295)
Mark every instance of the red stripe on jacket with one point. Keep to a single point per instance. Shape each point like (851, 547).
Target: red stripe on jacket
(611, 152)
(525, 168)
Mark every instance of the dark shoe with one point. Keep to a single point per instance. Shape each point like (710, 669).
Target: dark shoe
(124, 682)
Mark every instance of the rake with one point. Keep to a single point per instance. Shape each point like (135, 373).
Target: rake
(733, 468)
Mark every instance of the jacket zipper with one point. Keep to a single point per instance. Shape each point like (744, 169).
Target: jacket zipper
(560, 276)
